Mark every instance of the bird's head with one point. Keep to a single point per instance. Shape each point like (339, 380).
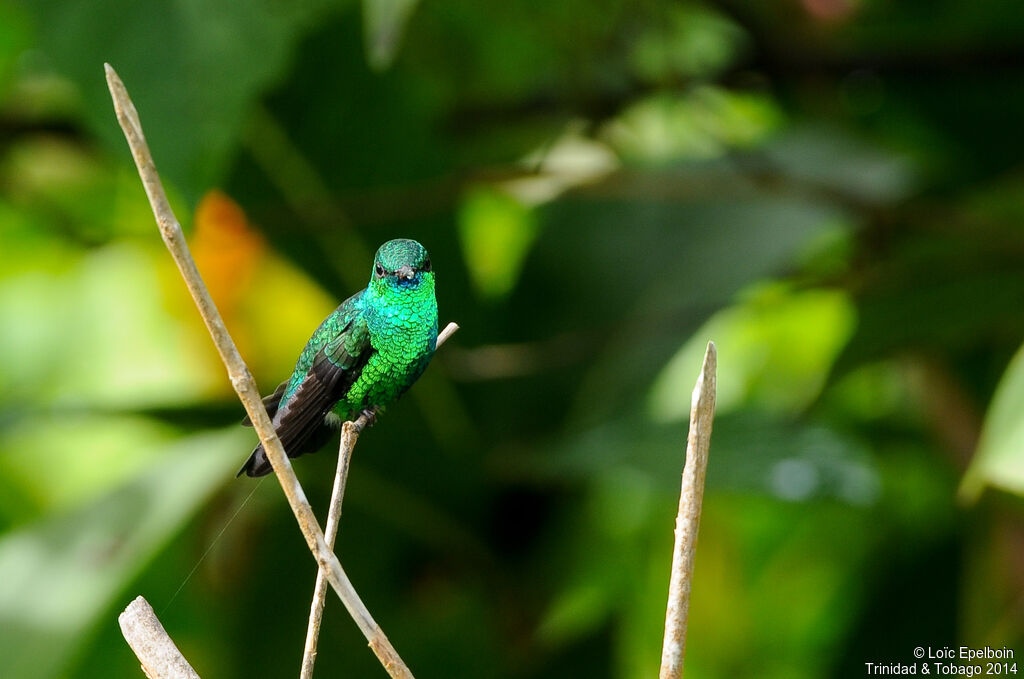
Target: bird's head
(400, 264)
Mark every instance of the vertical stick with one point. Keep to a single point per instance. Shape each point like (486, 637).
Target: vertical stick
(691, 496)
(349, 436)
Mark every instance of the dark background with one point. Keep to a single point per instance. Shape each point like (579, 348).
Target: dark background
(831, 190)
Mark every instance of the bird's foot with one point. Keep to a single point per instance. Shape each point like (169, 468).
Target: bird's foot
(367, 418)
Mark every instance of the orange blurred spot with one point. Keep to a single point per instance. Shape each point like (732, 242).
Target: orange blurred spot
(830, 11)
(229, 254)
(227, 250)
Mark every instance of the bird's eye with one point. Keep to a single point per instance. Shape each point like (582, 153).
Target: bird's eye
(379, 269)
(426, 265)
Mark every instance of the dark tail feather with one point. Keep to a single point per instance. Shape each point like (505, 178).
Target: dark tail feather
(256, 465)
(312, 440)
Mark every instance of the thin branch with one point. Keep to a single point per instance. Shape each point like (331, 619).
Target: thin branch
(691, 496)
(448, 331)
(349, 436)
(242, 381)
(157, 652)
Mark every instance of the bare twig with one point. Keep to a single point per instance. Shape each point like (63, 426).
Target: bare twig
(349, 436)
(243, 382)
(160, 658)
(702, 413)
(448, 331)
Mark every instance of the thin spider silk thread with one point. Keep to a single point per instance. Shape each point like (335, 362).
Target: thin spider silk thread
(213, 544)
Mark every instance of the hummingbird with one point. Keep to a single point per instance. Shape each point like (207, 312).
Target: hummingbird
(365, 355)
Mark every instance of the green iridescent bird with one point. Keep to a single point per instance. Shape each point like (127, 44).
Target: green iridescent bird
(362, 357)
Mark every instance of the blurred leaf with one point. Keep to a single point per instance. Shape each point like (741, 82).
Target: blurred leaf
(496, 232)
(30, 247)
(701, 124)
(873, 392)
(52, 168)
(833, 158)
(761, 606)
(578, 609)
(571, 160)
(999, 458)
(384, 22)
(646, 272)
(61, 574)
(777, 348)
(99, 332)
(219, 56)
(692, 41)
(56, 461)
(70, 187)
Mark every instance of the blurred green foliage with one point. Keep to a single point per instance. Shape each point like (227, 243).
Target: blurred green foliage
(831, 190)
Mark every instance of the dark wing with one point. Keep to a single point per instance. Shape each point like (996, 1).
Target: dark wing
(300, 421)
(327, 381)
(270, 403)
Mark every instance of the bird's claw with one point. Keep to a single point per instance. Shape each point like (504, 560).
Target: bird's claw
(367, 418)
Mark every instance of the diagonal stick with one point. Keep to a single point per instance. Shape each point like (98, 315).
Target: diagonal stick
(242, 380)
(156, 651)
